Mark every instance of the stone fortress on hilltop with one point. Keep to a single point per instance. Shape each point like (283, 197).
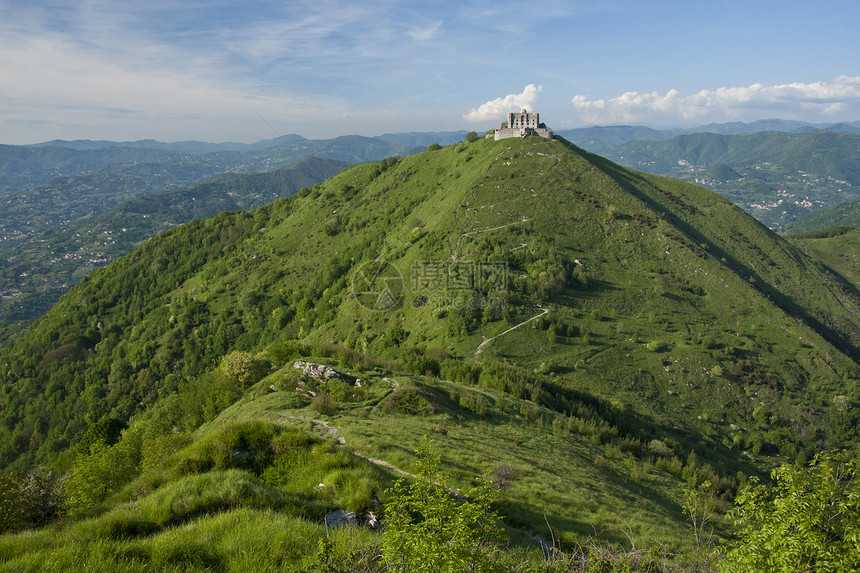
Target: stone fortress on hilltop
(522, 124)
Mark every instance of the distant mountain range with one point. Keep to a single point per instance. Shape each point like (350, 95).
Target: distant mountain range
(23, 167)
(599, 138)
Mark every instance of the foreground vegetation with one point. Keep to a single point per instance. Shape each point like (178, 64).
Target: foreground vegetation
(181, 511)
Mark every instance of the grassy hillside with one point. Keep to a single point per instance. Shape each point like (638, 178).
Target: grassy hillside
(838, 249)
(606, 334)
(671, 265)
(300, 466)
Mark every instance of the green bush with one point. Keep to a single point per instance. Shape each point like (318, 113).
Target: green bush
(324, 404)
(808, 521)
(244, 367)
(99, 472)
(33, 499)
(407, 400)
(428, 529)
(658, 346)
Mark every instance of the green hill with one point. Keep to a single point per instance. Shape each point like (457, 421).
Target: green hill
(80, 181)
(605, 335)
(776, 177)
(838, 248)
(842, 215)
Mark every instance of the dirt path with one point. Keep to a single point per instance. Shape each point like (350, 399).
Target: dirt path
(384, 464)
(476, 231)
(455, 492)
(487, 340)
(456, 249)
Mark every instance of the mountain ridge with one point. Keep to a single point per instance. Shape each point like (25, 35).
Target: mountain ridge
(310, 299)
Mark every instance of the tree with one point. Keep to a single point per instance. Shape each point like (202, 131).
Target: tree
(428, 529)
(99, 472)
(699, 508)
(471, 137)
(809, 521)
(30, 500)
(244, 368)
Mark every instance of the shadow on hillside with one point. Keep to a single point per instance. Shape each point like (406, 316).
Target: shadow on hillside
(610, 484)
(631, 182)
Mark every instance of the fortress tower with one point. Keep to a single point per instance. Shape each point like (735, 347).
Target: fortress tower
(522, 124)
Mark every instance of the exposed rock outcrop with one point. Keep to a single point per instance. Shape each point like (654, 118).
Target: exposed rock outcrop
(318, 371)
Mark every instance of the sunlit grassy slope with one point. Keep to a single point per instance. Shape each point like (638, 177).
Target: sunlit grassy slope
(839, 250)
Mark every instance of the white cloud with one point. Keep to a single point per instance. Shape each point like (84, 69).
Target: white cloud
(425, 33)
(821, 99)
(496, 108)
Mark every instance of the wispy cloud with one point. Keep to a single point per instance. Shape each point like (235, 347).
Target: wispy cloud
(211, 68)
(68, 85)
(495, 109)
(424, 33)
(823, 99)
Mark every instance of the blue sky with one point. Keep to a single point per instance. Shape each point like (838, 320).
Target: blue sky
(219, 71)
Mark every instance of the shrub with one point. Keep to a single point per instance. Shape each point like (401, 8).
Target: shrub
(407, 400)
(428, 529)
(30, 500)
(810, 520)
(99, 472)
(674, 465)
(324, 404)
(659, 448)
(244, 368)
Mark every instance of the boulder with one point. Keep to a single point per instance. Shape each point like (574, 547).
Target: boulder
(318, 371)
(340, 517)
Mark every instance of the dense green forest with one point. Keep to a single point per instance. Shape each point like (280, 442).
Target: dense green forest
(620, 354)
